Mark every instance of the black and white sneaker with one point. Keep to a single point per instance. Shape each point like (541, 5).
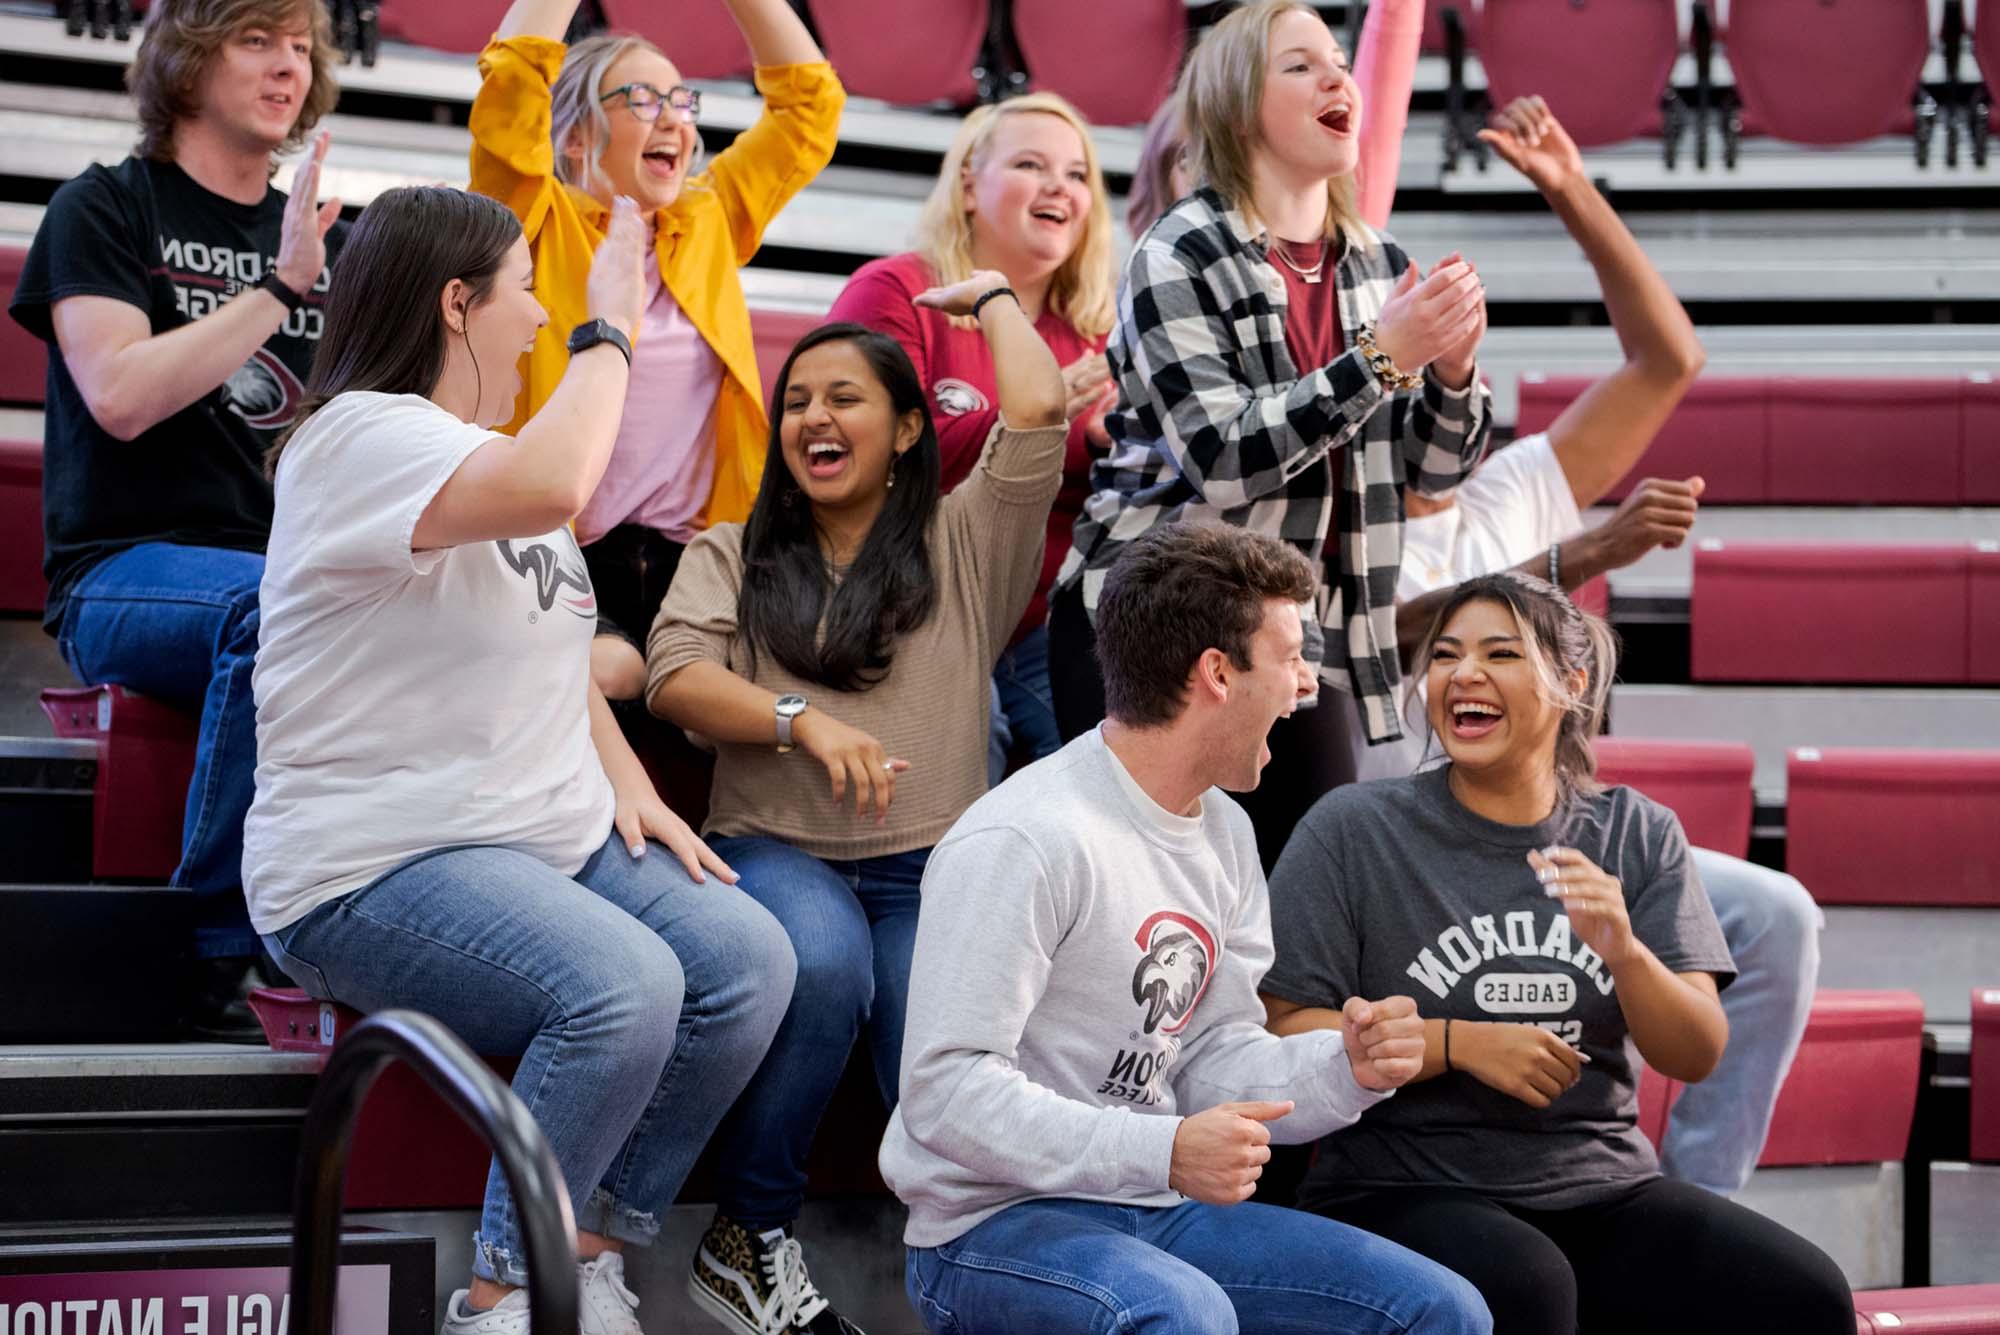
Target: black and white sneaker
(756, 1283)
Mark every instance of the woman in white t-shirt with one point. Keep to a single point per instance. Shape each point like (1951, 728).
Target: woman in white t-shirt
(447, 817)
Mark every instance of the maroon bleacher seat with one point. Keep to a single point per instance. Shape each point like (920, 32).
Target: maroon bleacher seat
(1986, 52)
(24, 359)
(1865, 442)
(1894, 826)
(1064, 43)
(22, 588)
(773, 333)
(1433, 41)
(908, 51)
(1706, 784)
(1828, 612)
(463, 26)
(1953, 1309)
(1851, 1093)
(1979, 408)
(1983, 614)
(145, 756)
(1985, 1139)
(701, 40)
(1720, 432)
(1530, 47)
(1796, 72)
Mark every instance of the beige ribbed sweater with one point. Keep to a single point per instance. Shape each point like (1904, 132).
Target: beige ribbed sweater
(931, 709)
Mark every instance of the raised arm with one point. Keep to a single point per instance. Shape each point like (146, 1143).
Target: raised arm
(1029, 384)
(541, 478)
(786, 147)
(1385, 66)
(1600, 436)
(548, 19)
(775, 32)
(132, 379)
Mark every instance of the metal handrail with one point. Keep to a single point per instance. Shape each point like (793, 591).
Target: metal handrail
(548, 1226)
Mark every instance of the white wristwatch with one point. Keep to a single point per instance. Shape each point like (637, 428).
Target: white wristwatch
(788, 707)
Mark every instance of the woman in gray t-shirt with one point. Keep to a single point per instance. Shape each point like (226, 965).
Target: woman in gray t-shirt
(1547, 928)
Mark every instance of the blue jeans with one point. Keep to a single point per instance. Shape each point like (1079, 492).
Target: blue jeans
(1077, 1266)
(1772, 927)
(1024, 702)
(853, 926)
(639, 1001)
(180, 624)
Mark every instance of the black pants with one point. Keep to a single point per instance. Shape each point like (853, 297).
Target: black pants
(631, 568)
(1664, 1256)
(1311, 752)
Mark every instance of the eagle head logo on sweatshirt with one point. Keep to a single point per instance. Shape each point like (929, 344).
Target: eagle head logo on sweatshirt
(1177, 957)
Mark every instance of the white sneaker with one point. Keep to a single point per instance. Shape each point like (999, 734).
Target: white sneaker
(604, 1306)
(509, 1316)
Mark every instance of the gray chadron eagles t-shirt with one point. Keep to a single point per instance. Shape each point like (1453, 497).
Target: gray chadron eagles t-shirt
(1392, 887)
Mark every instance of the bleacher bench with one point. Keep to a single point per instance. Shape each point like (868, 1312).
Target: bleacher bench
(145, 757)
(1896, 827)
(1985, 1130)
(22, 588)
(1851, 1094)
(1706, 784)
(1799, 440)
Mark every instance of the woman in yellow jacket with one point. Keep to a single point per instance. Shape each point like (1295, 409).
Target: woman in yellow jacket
(559, 132)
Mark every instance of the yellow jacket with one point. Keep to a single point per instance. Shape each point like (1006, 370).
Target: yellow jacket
(701, 239)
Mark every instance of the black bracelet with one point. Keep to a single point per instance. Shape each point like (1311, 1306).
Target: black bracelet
(1447, 1045)
(987, 296)
(1555, 564)
(282, 290)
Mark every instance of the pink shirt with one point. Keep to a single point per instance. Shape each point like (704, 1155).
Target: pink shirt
(664, 459)
(956, 369)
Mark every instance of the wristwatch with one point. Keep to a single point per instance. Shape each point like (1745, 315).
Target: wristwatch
(593, 332)
(789, 707)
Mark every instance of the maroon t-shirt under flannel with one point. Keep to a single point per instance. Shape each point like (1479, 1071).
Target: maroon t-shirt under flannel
(1312, 320)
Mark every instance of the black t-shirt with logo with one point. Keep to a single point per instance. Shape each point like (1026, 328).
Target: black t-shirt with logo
(1394, 888)
(145, 233)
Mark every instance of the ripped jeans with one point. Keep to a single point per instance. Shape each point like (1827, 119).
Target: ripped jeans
(640, 1004)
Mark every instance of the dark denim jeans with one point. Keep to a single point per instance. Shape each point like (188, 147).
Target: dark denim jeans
(853, 926)
(180, 624)
(1087, 1266)
(1025, 711)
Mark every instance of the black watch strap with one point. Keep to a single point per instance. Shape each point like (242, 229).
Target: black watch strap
(593, 332)
(278, 288)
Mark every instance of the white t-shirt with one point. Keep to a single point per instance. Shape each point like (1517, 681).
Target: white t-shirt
(1515, 504)
(410, 701)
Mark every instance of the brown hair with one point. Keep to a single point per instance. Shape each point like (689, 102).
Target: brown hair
(182, 36)
(1176, 592)
(385, 327)
(1560, 640)
(1084, 287)
(1164, 148)
(1220, 94)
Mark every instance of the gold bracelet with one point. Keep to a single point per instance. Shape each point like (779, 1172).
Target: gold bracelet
(1393, 377)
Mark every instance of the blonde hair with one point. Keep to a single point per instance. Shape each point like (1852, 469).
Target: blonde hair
(1559, 640)
(1220, 95)
(576, 108)
(1083, 288)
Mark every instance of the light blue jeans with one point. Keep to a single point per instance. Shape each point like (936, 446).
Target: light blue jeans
(639, 1001)
(1192, 1269)
(1772, 927)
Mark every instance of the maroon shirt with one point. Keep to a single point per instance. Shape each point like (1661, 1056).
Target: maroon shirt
(1312, 323)
(956, 370)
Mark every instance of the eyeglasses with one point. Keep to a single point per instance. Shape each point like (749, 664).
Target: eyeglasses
(649, 103)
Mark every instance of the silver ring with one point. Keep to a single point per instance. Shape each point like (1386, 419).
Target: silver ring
(889, 766)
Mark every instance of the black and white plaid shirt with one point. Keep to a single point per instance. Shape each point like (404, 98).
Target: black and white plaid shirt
(1214, 423)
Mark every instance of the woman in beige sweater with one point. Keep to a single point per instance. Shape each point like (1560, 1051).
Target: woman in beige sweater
(837, 650)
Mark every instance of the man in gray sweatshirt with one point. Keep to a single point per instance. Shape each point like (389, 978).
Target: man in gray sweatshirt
(1088, 1090)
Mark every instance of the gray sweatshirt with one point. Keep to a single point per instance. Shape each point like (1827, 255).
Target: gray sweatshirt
(1086, 975)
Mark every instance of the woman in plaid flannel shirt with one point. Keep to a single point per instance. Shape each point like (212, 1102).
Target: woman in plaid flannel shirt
(1264, 270)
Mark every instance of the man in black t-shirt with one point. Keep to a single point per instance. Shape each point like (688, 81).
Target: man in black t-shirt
(180, 294)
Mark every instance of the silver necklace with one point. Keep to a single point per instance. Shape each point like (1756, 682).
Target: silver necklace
(1311, 275)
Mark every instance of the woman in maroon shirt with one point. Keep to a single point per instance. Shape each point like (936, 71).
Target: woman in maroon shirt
(1020, 192)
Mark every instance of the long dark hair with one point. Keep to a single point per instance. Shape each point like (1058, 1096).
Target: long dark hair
(1559, 639)
(888, 591)
(385, 327)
